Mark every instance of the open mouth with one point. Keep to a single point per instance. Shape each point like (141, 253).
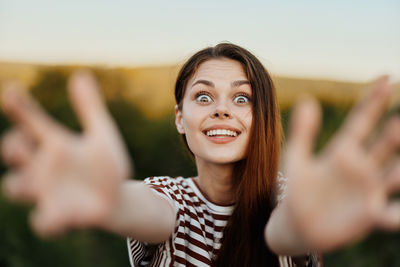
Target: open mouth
(221, 133)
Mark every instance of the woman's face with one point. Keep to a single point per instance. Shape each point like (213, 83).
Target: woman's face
(216, 114)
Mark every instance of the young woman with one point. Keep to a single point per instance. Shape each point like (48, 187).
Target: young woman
(229, 214)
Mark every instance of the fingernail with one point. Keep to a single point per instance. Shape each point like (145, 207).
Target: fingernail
(309, 106)
(82, 77)
(383, 84)
(36, 223)
(12, 98)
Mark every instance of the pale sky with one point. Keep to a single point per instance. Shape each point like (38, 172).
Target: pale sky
(340, 39)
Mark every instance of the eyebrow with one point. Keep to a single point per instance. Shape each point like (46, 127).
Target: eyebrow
(211, 84)
(239, 83)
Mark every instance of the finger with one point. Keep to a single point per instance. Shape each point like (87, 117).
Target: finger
(16, 148)
(21, 108)
(304, 126)
(388, 142)
(364, 116)
(392, 180)
(47, 219)
(87, 101)
(56, 212)
(17, 188)
(390, 218)
(26, 183)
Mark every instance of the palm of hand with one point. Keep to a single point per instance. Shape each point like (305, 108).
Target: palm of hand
(340, 195)
(73, 179)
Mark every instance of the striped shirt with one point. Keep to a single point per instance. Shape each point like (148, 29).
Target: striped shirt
(198, 229)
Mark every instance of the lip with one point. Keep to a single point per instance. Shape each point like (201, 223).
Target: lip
(221, 139)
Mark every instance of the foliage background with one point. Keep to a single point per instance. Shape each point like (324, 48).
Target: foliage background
(155, 146)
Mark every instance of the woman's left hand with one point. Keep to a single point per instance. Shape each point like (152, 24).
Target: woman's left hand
(340, 195)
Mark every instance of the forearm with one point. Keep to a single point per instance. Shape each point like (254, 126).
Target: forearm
(141, 214)
(282, 236)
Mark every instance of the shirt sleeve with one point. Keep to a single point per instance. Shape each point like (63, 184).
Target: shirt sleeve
(167, 188)
(281, 187)
(142, 253)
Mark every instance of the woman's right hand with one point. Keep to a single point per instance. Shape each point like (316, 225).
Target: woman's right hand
(73, 179)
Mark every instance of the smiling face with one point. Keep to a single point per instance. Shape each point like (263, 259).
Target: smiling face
(216, 114)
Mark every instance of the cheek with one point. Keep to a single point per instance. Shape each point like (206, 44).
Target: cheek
(245, 116)
(192, 135)
(193, 117)
(190, 123)
(249, 117)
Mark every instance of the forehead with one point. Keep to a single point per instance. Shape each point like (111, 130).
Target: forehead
(219, 69)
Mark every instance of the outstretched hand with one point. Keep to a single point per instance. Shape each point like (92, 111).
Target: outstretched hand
(343, 193)
(73, 179)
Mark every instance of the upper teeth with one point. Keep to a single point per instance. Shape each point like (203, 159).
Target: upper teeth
(221, 132)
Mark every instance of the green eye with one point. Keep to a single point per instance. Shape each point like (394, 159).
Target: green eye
(241, 99)
(203, 98)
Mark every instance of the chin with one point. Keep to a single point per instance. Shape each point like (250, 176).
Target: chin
(221, 159)
(224, 162)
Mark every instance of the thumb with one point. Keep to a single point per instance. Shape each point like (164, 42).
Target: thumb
(48, 219)
(87, 101)
(390, 219)
(304, 125)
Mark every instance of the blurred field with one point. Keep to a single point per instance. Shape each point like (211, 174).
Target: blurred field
(151, 88)
(141, 101)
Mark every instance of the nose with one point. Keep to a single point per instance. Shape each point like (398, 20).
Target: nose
(221, 112)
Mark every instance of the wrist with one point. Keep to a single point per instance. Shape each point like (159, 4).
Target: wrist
(282, 235)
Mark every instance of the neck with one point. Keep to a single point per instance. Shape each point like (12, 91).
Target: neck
(215, 180)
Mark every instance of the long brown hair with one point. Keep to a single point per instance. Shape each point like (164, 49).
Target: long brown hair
(255, 176)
